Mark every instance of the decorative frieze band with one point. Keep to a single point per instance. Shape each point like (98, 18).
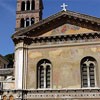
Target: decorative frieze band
(40, 94)
(76, 38)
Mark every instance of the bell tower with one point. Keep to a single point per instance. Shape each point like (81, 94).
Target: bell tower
(28, 12)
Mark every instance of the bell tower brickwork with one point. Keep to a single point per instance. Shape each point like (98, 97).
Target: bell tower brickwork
(28, 12)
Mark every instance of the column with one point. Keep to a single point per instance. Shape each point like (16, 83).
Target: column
(24, 22)
(25, 5)
(29, 21)
(19, 67)
(45, 76)
(25, 66)
(88, 75)
(30, 5)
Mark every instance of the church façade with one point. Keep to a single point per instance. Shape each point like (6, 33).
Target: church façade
(57, 58)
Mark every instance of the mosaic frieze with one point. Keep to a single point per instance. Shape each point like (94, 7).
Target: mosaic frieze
(67, 29)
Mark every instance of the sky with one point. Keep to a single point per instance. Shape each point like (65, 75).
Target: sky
(8, 16)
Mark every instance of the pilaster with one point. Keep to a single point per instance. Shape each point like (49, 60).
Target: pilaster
(19, 54)
(25, 68)
(21, 63)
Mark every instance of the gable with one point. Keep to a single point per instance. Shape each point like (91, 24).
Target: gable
(66, 29)
(61, 23)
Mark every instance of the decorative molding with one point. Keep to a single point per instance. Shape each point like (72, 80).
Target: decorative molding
(28, 11)
(53, 94)
(59, 39)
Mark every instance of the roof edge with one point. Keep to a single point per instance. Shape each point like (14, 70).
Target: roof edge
(70, 13)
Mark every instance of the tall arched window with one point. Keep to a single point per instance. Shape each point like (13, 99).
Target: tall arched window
(88, 72)
(33, 5)
(23, 6)
(44, 74)
(28, 5)
(22, 23)
(32, 20)
(27, 22)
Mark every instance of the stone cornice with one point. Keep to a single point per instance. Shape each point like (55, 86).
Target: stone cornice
(28, 11)
(59, 39)
(83, 16)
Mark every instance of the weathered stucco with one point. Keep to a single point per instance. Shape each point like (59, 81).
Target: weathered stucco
(65, 64)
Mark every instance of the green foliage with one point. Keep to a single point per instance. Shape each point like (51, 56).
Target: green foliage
(10, 58)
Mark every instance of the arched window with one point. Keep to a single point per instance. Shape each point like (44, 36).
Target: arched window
(27, 22)
(11, 98)
(4, 97)
(22, 22)
(28, 5)
(32, 20)
(23, 6)
(33, 5)
(88, 72)
(44, 74)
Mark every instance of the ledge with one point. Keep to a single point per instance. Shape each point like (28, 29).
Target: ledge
(6, 71)
(51, 94)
